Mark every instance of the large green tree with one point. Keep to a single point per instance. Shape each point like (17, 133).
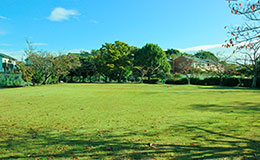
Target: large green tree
(88, 67)
(115, 60)
(152, 60)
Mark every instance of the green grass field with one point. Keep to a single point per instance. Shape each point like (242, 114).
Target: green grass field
(129, 121)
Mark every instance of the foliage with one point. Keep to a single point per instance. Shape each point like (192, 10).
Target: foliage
(43, 67)
(11, 80)
(246, 37)
(173, 53)
(152, 81)
(178, 81)
(206, 55)
(225, 81)
(88, 67)
(116, 60)
(27, 72)
(186, 67)
(151, 60)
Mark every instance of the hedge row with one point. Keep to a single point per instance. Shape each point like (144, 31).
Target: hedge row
(152, 81)
(11, 80)
(242, 82)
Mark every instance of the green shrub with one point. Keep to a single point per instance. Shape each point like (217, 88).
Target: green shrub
(211, 81)
(196, 81)
(152, 81)
(180, 81)
(245, 82)
(231, 82)
(11, 80)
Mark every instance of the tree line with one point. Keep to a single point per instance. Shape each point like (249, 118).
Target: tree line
(117, 62)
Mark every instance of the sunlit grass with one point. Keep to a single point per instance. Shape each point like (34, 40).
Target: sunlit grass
(127, 121)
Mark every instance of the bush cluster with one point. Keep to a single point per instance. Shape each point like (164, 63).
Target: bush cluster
(231, 81)
(11, 80)
(152, 81)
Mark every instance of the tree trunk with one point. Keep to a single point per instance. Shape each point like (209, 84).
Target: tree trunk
(142, 77)
(188, 79)
(83, 80)
(254, 81)
(255, 76)
(46, 80)
(59, 79)
(90, 79)
(119, 78)
(71, 79)
(221, 81)
(149, 77)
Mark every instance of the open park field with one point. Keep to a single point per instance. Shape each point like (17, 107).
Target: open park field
(129, 121)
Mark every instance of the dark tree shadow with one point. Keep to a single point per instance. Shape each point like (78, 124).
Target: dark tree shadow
(230, 88)
(236, 106)
(101, 145)
(244, 148)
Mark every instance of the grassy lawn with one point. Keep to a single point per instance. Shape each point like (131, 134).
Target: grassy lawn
(124, 121)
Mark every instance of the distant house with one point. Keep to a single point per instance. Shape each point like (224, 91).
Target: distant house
(7, 63)
(197, 63)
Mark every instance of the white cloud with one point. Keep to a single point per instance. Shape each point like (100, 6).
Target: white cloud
(3, 17)
(61, 14)
(39, 44)
(203, 47)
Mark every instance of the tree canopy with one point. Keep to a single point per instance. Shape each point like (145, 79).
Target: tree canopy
(173, 53)
(116, 60)
(206, 55)
(152, 59)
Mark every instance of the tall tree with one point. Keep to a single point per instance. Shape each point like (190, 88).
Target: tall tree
(152, 59)
(27, 72)
(88, 67)
(246, 37)
(187, 67)
(48, 66)
(116, 60)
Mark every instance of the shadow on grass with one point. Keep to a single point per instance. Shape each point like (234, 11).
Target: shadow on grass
(221, 145)
(235, 107)
(9, 87)
(102, 145)
(230, 88)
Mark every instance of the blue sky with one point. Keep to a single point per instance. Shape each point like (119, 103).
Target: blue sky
(73, 25)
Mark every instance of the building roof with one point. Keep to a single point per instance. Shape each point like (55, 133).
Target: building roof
(6, 56)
